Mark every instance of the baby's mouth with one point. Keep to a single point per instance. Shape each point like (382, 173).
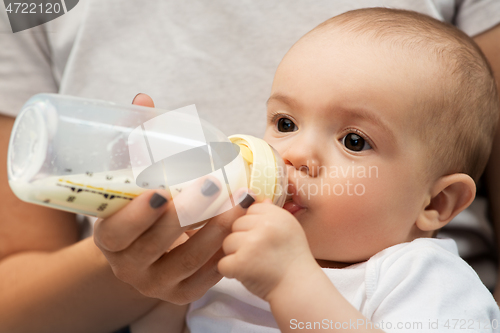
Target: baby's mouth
(292, 203)
(292, 207)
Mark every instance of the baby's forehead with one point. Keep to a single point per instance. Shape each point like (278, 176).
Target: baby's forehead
(410, 33)
(425, 71)
(411, 53)
(395, 44)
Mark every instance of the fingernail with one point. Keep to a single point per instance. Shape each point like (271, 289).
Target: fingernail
(245, 203)
(209, 188)
(157, 200)
(135, 97)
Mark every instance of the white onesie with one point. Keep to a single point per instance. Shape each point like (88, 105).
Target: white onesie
(421, 286)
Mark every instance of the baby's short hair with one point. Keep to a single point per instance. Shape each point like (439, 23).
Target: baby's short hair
(459, 125)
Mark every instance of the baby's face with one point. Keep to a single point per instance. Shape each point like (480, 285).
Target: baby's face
(346, 110)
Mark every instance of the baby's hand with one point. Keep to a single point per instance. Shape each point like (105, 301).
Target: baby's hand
(265, 245)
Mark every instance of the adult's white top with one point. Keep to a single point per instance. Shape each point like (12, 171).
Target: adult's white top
(219, 54)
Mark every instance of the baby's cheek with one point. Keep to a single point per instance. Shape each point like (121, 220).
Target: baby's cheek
(384, 195)
(342, 204)
(367, 208)
(361, 201)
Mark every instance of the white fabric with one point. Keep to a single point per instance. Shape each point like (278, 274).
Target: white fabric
(424, 281)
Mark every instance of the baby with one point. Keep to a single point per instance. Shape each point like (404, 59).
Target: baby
(385, 119)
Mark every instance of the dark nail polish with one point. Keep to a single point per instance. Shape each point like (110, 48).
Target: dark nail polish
(245, 203)
(157, 200)
(135, 97)
(209, 188)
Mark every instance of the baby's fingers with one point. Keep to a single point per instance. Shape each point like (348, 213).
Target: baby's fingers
(228, 266)
(233, 242)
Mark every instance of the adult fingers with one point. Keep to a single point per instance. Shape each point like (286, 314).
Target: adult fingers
(119, 230)
(113, 236)
(186, 259)
(182, 238)
(196, 285)
(156, 240)
(144, 100)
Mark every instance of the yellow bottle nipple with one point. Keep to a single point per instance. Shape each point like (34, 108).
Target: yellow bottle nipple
(265, 169)
(246, 153)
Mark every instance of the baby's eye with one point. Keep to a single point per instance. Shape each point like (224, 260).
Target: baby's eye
(286, 125)
(355, 142)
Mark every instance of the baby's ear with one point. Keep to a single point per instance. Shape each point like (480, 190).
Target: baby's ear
(449, 196)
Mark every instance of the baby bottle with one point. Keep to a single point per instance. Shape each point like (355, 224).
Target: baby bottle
(93, 157)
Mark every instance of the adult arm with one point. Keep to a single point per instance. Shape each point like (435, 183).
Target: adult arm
(48, 281)
(489, 42)
(63, 286)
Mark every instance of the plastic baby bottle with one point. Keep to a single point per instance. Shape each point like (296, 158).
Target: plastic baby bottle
(93, 157)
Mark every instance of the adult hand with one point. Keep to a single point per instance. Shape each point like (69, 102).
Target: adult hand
(140, 241)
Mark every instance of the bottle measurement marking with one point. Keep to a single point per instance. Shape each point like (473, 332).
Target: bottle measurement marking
(107, 194)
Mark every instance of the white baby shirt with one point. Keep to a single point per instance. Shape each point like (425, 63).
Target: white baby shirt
(421, 286)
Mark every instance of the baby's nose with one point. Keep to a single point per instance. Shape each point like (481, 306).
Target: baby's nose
(309, 167)
(303, 153)
(312, 168)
